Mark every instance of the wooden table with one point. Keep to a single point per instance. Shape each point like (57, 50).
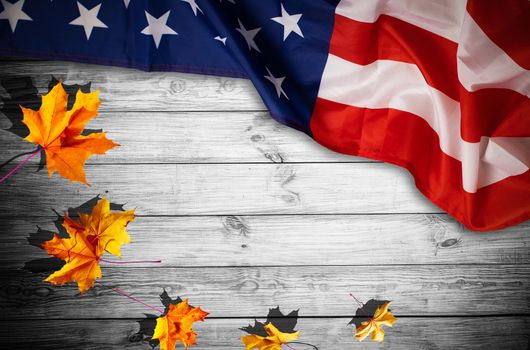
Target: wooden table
(246, 215)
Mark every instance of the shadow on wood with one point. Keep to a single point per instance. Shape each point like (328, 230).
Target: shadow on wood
(366, 312)
(284, 323)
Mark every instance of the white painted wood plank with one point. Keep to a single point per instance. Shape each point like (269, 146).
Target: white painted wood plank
(225, 189)
(291, 240)
(131, 89)
(332, 333)
(193, 137)
(415, 290)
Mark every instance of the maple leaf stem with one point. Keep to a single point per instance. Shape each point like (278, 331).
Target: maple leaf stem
(17, 156)
(289, 346)
(299, 342)
(138, 301)
(132, 261)
(38, 151)
(356, 300)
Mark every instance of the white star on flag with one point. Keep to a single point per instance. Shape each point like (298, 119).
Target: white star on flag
(157, 27)
(289, 23)
(13, 13)
(194, 6)
(249, 35)
(277, 82)
(126, 3)
(88, 19)
(221, 39)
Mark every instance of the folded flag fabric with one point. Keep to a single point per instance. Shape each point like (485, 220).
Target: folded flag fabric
(439, 87)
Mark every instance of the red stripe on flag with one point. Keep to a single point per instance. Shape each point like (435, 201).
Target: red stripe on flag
(403, 139)
(507, 24)
(487, 112)
(495, 113)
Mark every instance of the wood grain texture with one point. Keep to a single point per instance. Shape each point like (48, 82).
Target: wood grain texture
(231, 189)
(239, 234)
(194, 137)
(292, 240)
(134, 90)
(507, 333)
(315, 290)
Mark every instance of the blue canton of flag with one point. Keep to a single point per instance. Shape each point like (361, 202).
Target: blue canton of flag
(281, 46)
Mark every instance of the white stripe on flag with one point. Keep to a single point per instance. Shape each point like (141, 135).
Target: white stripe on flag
(401, 86)
(442, 17)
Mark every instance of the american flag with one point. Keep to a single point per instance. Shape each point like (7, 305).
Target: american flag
(439, 87)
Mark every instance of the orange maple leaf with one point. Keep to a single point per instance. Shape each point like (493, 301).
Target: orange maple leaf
(273, 341)
(82, 263)
(374, 326)
(177, 325)
(58, 132)
(90, 237)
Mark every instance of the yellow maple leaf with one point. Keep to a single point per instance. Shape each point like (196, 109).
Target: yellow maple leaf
(273, 341)
(105, 228)
(58, 132)
(177, 324)
(375, 325)
(90, 237)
